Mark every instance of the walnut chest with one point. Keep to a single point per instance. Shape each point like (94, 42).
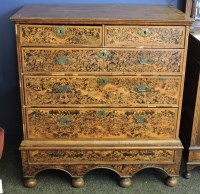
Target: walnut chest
(101, 87)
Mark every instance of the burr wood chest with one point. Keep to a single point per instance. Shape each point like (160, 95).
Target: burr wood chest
(190, 123)
(101, 87)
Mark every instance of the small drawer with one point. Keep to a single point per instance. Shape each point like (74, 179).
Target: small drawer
(107, 124)
(56, 35)
(103, 156)
(194, 156)
(143, 61)
(144, 36)
(128, 91)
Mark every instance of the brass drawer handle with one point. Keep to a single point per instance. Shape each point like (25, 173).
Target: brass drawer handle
(144, 60)
(102, 114)
(60, 32)
(62, 60)
(140, 119)
(64, 120)
(63, 89)
(103, 54)
(144, 32)
(142, 88)
(103, 81)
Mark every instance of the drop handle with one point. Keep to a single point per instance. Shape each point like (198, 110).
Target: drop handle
(64, 120)
(142, 88)
(63, 89)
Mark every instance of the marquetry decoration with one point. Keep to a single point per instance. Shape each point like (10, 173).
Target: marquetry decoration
(102, 91)
(107, 123)
(101, 87)
(56, 35)
(95, 60)
(102, 156)
(135, 35)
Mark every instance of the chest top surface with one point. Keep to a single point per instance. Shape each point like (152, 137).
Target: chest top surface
(101, 14)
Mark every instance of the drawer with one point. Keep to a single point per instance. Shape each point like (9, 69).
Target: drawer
(112, 123)
(194, 156)
(36, 60)
(101, 91)
(158, 36)
(45, 35)
(105, 156)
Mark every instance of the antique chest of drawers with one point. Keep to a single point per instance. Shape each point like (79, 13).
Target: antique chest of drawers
(190, 121)
(101, 87)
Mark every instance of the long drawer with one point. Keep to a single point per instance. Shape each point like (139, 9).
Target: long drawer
(41, 60)
(128, 91)
(162, 36)
(101, 124)
(61, 35)
(102, 156)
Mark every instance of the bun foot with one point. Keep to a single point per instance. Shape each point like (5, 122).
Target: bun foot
(171, 181)
(187, 175)
(30, 182)
(77, 182)
(125, 182)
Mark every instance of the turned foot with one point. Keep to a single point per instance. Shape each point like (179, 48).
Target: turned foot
(171, 181)
(125, 182)
(30, 182)
(77, 182)
(187, 175)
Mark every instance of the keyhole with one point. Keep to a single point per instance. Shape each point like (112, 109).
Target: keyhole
(60, 31)
(145, 32)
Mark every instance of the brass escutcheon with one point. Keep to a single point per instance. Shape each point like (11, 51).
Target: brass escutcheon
(102, 114)
(103, 54)
(63, 89)
(103, 81)
(62, 60)
(144, 60)
(142, 88)
(60, 32)
(140, 119)
(64, 120)
(144, 32)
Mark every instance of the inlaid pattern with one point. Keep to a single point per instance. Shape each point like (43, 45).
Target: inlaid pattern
(101, 91)
(106, 156)
(106, 123)
(61, 35)
(88, 60)
(145, 36)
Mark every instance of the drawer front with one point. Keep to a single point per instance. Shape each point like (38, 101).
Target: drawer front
(194, 156)
(98, 60)
(101, 91)
(61, 35)
(100, 156)
(164, 36)
(75, 123)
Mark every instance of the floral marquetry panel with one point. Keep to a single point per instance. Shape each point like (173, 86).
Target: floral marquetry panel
(71, 123)
(102, 60)
(165, 36)
(101, 91)
(100, 156)
(145, 60)
(61, 35)
(61, 60)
